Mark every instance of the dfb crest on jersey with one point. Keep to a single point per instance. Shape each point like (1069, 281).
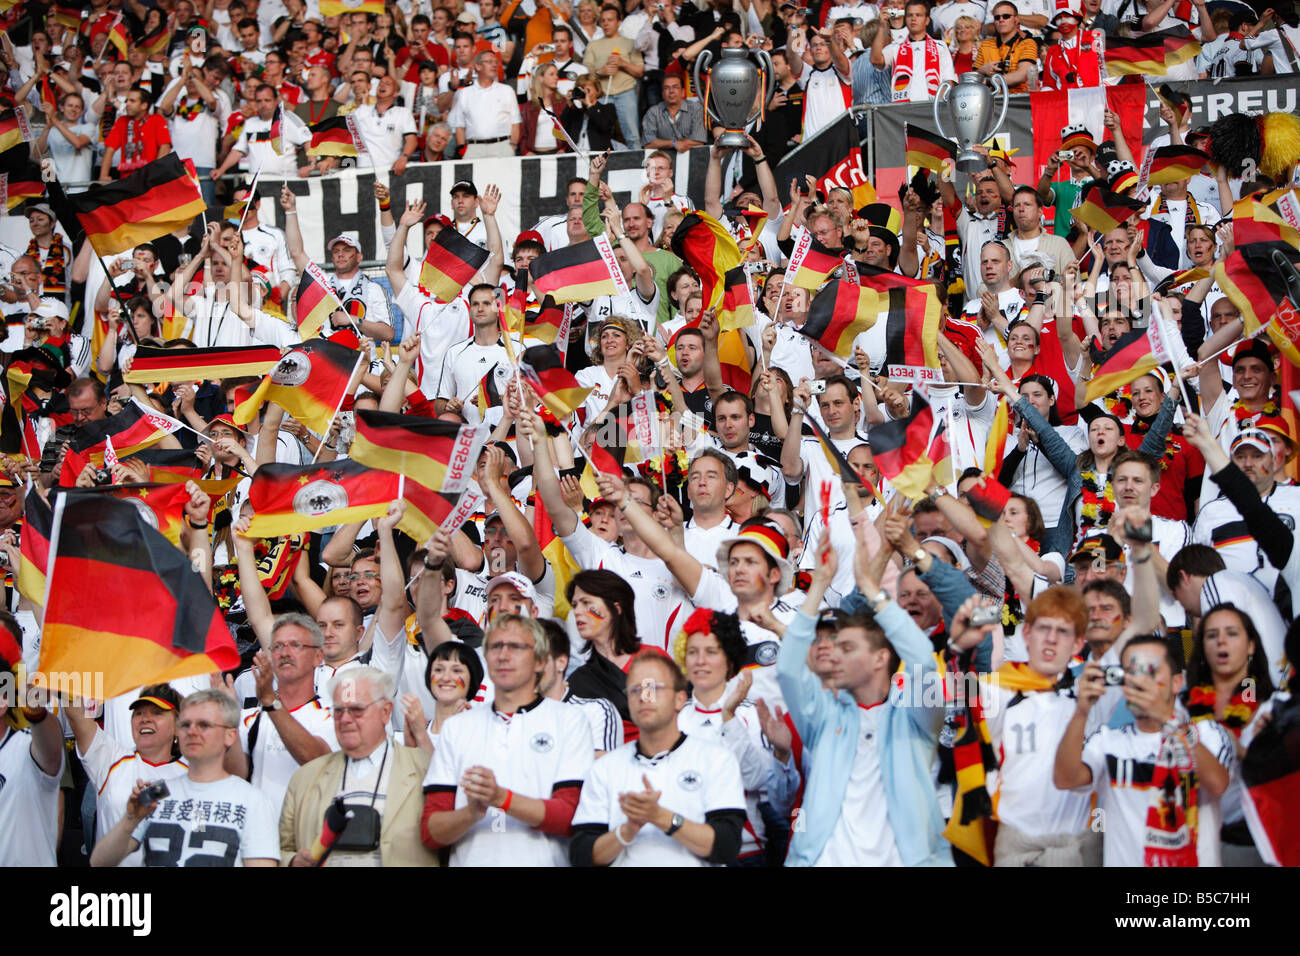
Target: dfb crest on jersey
(764, 654)
(542, 743)
(689, 780)
(293, 369)
(501, 373)
(319, 497)
(660, 592)
(147, 514)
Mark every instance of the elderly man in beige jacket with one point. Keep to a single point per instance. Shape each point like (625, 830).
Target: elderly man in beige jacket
(378, 780)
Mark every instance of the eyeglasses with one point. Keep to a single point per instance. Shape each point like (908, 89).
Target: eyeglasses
(368, 575)
(79, 413)
(647, 689)
(352, 710)
(1003, 16)
(292, 646)
(513, 647)
(202, 726)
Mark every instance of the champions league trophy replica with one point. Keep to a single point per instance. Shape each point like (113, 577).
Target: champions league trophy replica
(969, 104)
(731, 90)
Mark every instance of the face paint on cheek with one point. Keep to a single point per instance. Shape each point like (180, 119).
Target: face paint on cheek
(460, 683)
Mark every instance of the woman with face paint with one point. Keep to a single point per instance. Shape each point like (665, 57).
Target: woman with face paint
(453, 675)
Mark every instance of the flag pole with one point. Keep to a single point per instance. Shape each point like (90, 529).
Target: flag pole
(361, 357)
(1232, 345)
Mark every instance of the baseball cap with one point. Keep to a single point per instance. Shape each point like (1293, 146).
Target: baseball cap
(517, 581)
(1098, 545)
(1256, 438)
(465, 17)
(530, 235)
(162, 696)
(225, 418)
(774, 544)
(440, 219)
(52, 309)
(1068, 14)
(42, 207)
(464, 186)
(329, 246)
(1278, 425)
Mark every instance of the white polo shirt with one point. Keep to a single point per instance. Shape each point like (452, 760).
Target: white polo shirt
(273, 765)
(485, 112)
(384, 135)
(743, 736)
(714, 592)
(695, 778)
(29, 804)
(114, 769)
(255, 144)
(539, 749)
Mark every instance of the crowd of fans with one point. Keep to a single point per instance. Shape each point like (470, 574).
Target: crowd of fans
(738, 657)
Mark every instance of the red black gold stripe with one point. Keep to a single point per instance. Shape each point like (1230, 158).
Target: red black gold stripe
(153, 364)
(1128, 359)
(926, 149)
(839, 314)
(433, 452)
(288, 499)
(450, 264)
(704, 244)
(573, 274)
(555, 385)
(152, 201)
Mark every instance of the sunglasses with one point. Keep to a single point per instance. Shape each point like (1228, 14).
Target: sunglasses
(1003, 16)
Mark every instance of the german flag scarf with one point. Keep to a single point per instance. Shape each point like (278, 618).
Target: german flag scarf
(971, 827)
(1170, 838)
(1239, 711)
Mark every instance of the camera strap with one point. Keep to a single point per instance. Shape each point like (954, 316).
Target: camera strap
(378, 780)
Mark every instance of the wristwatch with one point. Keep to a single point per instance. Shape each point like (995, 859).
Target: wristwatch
(879, 600)
(675, 824)
(273, 706)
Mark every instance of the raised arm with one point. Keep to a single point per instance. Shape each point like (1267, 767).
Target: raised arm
(564, 520)
(530, 560)
(394, 266)
(685, 568)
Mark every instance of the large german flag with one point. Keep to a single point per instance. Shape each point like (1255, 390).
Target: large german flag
(152, 364)
(14, 130)
(926, 149)
(20, 185)
(1252, 281)
(811, 263)
(309, 383)
(171, 465)
(913, 315)
(450, 264)
(109, 568)
(736, 311)
(902, 449)
(1173, 162)
(1151, 54)
(332, 137)
(550, 323)
(439, 455)
(162, 505)
(1104, 210)
(152, 201)
(290, 499)
(555, 385)
(132, 429)
(1257, 221)
(1128, 359)
(316, 301)
(34, 545)
(578, 273)
(1270, 772)
(704, 244)
(839, 314)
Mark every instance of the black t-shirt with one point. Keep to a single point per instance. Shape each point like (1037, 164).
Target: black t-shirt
(763, 438)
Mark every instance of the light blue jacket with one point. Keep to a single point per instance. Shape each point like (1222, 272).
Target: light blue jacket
(828, 723)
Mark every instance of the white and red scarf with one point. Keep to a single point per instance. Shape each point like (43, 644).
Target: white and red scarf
(903, 70)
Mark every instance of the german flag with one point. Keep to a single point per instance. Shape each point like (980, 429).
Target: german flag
(450, 264)
(69, 16)
(1151, 54)
(19, 186)
(1172, 163)
(736, 311)
(425, 510)
(811, 263)
(171, 465)
(1251, 280)
(309, 382)
(152, 364)
(839, 314)
(14, 130)
(34, 545)
(927, 150)
(162, 505)
(1270, 773)
(609, 450)
(119, 37)
(332, 137)
(515, 313)
(132, 429)
(1175, 279)
(1256, 221)
(439, 455)
(152, 201)
(578, 273)
(156, 42)
(902, 449)
(996, 446)
(557, 555)
(733, 357)
(488, 393)
(549, 323)
(1104, 210)
(1129, 358)
(108, 567)
(555, 385)
(704, 244)
(988, 498)
(913, 315)
(338, 8)
(316, 301)
(291, 499)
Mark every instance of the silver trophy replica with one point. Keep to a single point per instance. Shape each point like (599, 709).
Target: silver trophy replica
(969, 103)
(733, 88)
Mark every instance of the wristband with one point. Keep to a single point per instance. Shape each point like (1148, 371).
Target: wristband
(505, 804)
(760, 161)
(623, 505)
(35, 715)
(1145, 558)
(618, 835)
(290, 212)
(196, 527)
(385, 205)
